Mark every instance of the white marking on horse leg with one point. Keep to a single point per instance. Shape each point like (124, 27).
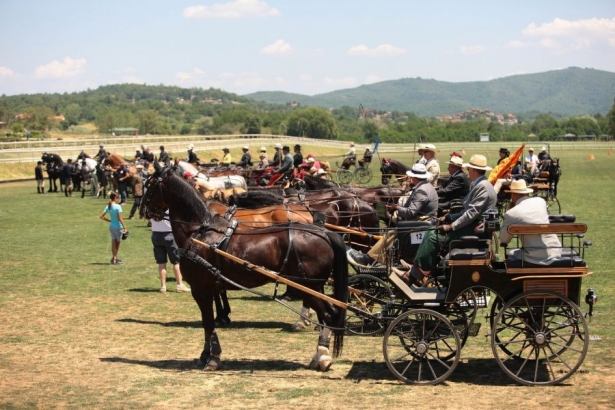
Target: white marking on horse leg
(304, 319)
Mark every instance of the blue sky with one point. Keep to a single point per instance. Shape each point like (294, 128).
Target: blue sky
(307, 47)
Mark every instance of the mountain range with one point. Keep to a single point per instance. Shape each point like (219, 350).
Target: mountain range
(567, 92)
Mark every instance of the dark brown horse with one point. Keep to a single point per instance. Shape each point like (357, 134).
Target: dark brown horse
(391, 168)
(306, 254)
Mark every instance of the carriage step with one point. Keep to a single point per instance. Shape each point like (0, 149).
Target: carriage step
(473, 329)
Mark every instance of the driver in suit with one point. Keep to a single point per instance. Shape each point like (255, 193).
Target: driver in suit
(457, 186)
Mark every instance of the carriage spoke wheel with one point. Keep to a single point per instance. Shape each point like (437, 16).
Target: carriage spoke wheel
(415, 344)
(363, 175)
(373, 296)
(344, 176)
(546, 334)
(553, 205)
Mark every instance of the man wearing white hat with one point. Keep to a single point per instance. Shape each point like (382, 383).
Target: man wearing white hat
(543, 155)
(246, 158)
(421, 151)
(481, 198)
(192, 158)
(423, 201)
(277, 157)
(429, 154)
(457, 186)
(538, 249)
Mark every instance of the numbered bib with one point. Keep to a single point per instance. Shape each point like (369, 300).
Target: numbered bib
(417, 237)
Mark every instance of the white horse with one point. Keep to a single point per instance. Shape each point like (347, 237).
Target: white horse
(225, 182)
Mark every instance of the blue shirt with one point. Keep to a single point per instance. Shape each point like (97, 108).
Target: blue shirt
(114, 212)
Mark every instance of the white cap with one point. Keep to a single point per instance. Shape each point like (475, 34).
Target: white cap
(278, 145)
(190, 147)
(245, 147)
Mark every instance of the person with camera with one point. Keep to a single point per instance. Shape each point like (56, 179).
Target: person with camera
(480, 199)
(537, 249)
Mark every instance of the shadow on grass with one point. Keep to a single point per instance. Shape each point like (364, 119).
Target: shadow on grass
(239, 365)
(283, 326)
(483, 372)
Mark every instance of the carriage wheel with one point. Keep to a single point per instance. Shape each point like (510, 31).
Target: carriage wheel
(547, 335)
(375, 293)
(415, 343)
(553, 205)
(363, 175)
(344, 176)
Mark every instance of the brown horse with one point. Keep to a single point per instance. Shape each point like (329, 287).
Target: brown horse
(391, 168)
(306, 254)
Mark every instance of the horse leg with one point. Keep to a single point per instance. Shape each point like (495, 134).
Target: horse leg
(304, 319)
(210, 356)
(223, 309)
(322, 360)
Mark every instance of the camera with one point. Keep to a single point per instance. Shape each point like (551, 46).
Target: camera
(591, 297)
(491, 223)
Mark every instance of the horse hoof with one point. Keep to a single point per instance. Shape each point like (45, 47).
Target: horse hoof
(298, 326)
(213, 364)
(223, 322)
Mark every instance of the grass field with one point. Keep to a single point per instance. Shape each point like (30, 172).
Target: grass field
(80, 333)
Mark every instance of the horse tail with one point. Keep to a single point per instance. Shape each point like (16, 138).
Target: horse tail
(340, 290)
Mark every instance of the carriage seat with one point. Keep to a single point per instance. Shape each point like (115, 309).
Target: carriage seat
(563, 262)
(425, 295)
(469, 247)
(562, 218)
(409, 243)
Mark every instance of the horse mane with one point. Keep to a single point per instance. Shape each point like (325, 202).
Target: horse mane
(256, 199)
(182, 189)
(318, 183)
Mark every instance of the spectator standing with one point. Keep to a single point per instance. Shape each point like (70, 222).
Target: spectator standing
(137, 190)
(116, 225)
(121, 176)
(166, 248)
(40, 179)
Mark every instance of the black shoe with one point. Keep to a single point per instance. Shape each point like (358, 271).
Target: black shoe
(359, 258)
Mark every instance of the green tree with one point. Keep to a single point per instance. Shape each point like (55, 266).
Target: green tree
(312, 122)
(370, 131)
(38, 118)
(148, 122)
(611, 121)
(252, 125)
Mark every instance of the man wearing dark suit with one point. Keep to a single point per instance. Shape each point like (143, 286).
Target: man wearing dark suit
(457, 186)
(423, 201)
(164, 156)
(480, 199)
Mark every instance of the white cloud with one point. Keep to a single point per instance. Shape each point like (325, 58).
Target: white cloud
(232, 10)
(127, 70)
(190, 75)
(5, 72)
(372, 78)
(383, 50)
(132, 79)
(341, 82)
(515, 44)
(574, 33)
(305, 78)
(280, 47)
(472, 50)
(56, 69)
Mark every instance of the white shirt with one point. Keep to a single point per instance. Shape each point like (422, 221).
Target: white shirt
(532, 158)
(163, 225)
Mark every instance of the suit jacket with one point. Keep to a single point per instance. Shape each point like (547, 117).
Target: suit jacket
(540, 249)
(422, 201)
(480, 199)
(164, 158)
(457, 187)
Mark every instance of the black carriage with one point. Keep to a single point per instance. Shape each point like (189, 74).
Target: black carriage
(538, 334)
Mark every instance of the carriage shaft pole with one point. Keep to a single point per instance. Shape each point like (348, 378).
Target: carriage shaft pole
(352, 231)
(274, 275)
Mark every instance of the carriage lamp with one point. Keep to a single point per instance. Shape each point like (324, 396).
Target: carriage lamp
(491, 222)
(591, 298)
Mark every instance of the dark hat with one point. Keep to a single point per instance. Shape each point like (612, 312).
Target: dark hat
(39, 162)
(504, 150)
(285, 148)
(161, 147)
(225, 149)
(297, 146)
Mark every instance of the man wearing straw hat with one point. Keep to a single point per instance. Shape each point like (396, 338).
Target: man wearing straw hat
(246, 158)
(429, 154)
(538, 249)
(480, 199)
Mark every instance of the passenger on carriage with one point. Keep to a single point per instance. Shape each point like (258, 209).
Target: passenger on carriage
(423, 201)
(192, 157)
(226, 159)
(457, 186)
(102, 153)
(298, 156)
(349, 157)
(504, 153)
(537, 249)
(246, 157)
(431, 163)
(164, 157)
(287, 164)
(512, 174)
(263, 163)
(277, 157)
(322, 174)
(421, 151)
(367, 157)
(543, 154)
(531, 158)
(481, 198)
(147, 154)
